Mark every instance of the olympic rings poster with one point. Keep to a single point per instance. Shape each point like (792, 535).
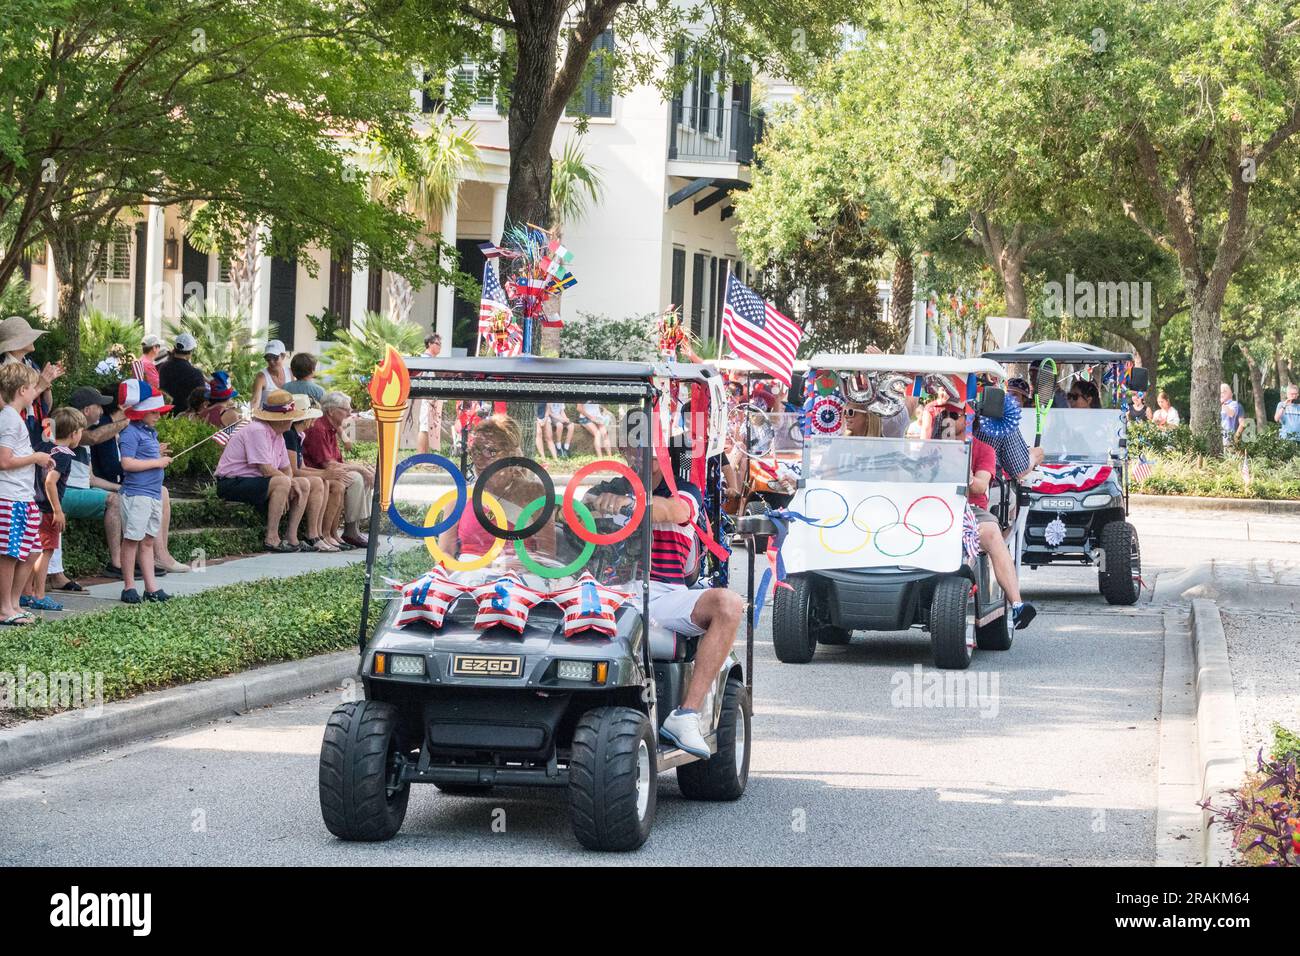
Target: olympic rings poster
(880, 525)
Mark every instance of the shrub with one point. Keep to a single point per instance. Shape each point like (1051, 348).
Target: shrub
(1269, 444)
(600, 337)
(225, 342)
(1145, 438)
(327, 325)
(352, 357)
(197, 465)
(1264, 814)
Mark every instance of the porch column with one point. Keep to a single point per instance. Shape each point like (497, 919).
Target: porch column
(261, 318)
(51, 284)
(447, 293)
(360, 291)
(154, 291)
(498, 213)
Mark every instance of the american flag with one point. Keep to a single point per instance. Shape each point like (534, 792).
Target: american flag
(223, 435)
(493, 301)
(1140, 470)
(137, 369)
(758, 332)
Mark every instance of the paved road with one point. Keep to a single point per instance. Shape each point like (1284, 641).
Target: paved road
(1055, 764)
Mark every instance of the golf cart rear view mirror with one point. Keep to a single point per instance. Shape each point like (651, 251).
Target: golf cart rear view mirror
(1139, 379)
(991, 402)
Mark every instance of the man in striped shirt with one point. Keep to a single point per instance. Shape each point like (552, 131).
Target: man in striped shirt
(712, 614)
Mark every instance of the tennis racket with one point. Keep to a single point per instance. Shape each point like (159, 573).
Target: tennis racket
(1044, 392)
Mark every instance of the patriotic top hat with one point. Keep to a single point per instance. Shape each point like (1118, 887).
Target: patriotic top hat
(134, 391)
(218, 389)
(155, 403)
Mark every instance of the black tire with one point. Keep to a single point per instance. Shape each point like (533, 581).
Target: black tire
(794, 632)
(605, 764)
(357, 758)
(996, 635)
(951, 620)
(1118, 583)
(724, 775)
(465, 789)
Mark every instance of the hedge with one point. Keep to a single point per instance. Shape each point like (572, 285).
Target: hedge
(205, 635)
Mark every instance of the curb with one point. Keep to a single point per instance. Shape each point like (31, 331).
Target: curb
(75, 733)
(1180, 824)
(1220, 764)
(1184, 502)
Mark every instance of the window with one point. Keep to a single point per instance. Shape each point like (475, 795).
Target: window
(340, 296)
(221, 292)
(471, 76)
(430, 102)
(697, 294)
(113, 291)
(678, 292)
(595, 94)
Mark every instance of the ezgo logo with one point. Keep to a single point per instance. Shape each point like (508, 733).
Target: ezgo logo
(102, 909)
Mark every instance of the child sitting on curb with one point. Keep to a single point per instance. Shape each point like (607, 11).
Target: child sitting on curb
(68, 426)
(19, 517)
(142, 466)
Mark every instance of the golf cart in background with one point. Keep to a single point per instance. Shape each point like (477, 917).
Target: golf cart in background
(484, 672)
(884, 547)
(1077, 513)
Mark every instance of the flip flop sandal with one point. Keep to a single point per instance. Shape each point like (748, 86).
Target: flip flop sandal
(281, 548)
(18, 620)
(70, 586)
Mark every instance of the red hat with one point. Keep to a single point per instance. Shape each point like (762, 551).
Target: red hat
(155, 403)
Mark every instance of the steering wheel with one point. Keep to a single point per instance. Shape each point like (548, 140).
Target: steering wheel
(754, 429)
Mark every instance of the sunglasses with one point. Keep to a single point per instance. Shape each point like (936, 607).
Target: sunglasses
(477, 449)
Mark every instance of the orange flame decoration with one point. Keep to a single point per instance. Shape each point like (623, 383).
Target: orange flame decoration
(390, 386)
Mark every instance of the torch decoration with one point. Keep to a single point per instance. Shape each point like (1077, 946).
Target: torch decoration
(390, 390)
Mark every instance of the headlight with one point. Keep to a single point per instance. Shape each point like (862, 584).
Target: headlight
(574, 670)
(407, 665)
(1096, 501)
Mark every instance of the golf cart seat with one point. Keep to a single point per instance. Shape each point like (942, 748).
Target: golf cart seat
(668, 646)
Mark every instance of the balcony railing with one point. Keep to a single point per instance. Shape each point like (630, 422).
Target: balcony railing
(713, 134)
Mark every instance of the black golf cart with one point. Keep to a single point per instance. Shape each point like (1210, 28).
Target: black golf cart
(1077, 511)
(472, 689)
(882, 549)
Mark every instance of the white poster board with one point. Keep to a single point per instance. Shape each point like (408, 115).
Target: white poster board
(875, 525)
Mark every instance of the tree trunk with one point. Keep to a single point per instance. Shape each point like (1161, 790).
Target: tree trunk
(1013, 285)
(533, 120)
(401, 297)
(1256, 385)
(1207, 368)
(1282, 361)
(1148, 351)
(900, 297)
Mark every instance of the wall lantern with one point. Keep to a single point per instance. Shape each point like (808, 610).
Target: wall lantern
(171, 250)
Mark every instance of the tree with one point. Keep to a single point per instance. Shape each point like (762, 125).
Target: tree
(240, 105)
(547, 48)
(422, 184)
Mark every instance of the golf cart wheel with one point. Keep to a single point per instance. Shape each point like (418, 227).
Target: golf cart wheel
(795, 620)
(724, 775)
(360, 797)
(996, 635)
(465, 789)
(952, 623)
(612, 778)
(1119, 582)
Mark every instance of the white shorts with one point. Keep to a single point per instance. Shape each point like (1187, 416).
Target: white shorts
(141, 517)
(671, 606)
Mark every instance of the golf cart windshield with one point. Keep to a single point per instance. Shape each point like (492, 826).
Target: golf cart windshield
(902, 460)
(513, 500)
(1078, 434)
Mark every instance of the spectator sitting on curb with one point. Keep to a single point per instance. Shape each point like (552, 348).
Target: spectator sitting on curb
(320, 446)
(254, 469)
(177, 377)
(219, 395)
(303, 369)
(51, 484)
(143, 460)
(106, 465)
(324, 486)
(274, 376)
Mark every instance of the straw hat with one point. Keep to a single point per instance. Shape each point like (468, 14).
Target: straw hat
(277, 407)
(304, 410)
(16, 334)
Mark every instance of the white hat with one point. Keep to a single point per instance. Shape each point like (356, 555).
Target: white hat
(151, 341)
(274, 347)
(185, 343)
(303, 410)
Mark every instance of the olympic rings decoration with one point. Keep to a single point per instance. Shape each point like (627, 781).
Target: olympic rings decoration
(573, 567)
(874, 537)
(588, 534)
(547, 497)
(456, 564)
(447, 523)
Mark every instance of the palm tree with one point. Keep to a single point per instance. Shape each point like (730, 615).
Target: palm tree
(574, 185)
(423, 185)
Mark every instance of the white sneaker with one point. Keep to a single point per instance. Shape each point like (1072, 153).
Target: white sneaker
(684, 730)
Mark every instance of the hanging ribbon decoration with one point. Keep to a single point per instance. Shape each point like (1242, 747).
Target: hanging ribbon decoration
(666, 468)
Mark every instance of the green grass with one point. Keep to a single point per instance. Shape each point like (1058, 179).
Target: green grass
(206, 635)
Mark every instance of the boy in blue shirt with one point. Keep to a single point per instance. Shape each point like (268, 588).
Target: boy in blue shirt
(142, 479)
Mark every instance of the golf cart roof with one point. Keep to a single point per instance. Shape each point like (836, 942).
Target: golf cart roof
(744, 366)
(532, 378)
(908, 364)
(1075, 353)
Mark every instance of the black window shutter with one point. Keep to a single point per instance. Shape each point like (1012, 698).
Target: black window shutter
(697, 294)
(374, 291)
(141, 258)
(679, 279)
